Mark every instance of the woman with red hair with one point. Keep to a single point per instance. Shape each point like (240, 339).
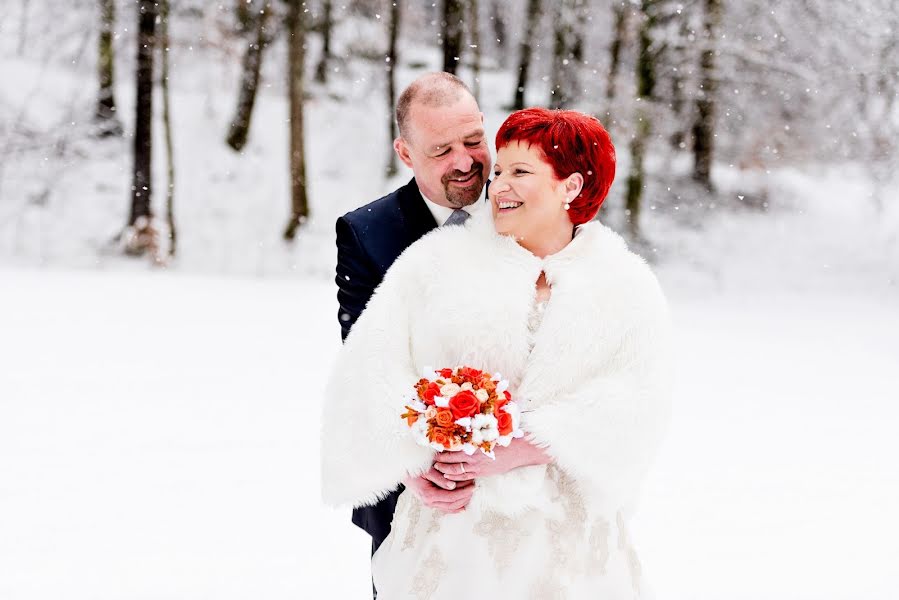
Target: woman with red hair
(538, 290)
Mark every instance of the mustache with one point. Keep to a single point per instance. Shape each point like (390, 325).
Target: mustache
(457, 174)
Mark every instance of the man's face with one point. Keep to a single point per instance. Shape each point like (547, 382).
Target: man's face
(447, 150)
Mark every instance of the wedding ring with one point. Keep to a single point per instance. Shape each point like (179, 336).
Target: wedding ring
(463, 466)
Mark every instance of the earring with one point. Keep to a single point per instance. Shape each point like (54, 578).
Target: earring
(567, 203)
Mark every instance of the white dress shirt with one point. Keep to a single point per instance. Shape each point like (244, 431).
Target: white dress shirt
(442, 213)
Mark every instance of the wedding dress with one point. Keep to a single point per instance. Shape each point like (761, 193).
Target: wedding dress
(589, 369)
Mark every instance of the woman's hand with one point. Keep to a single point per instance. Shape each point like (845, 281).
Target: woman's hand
(458, 466)
(435, 491)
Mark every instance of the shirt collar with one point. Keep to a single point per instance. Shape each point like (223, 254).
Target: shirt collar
(442, 213)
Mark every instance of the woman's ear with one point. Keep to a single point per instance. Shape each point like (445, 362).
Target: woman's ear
(574, 183)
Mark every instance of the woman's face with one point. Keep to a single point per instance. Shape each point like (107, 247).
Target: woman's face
(528, 201)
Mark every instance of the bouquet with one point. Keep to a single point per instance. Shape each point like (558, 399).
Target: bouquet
(462, 409)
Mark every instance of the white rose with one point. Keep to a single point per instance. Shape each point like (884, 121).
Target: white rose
(482, 395)
(449, 390)
(467, 386)
(430, 413)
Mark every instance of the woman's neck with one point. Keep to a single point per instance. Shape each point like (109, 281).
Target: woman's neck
(549, 244)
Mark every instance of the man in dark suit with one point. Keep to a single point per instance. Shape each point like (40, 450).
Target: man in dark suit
(442, 140)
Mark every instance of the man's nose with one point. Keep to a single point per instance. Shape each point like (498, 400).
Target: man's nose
(462, 160)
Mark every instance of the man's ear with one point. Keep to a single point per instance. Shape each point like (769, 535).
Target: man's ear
(402, 151)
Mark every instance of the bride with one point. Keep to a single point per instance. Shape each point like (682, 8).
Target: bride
(536, 290)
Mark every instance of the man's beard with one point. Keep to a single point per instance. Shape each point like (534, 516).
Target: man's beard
(465, 196)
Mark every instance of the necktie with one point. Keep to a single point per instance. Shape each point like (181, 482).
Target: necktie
(458, 217)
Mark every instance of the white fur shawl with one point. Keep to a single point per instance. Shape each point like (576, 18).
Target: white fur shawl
(594, 388)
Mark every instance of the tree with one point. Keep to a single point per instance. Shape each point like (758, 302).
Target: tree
(321, 71)
(646, 80)
(704, 125)
(498, 18)
(140, 218)
(452, 24)
(167, 128)
(568, 54)
(524, 57)
(252, 63)
(391, 83)
(105, 115)
(296, 40)
(474, 35)
(620, 12)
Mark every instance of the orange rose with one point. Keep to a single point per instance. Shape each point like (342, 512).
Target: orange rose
(503, 422)
(445, 418)
(440, 436)
(470, 374)
(464, 404)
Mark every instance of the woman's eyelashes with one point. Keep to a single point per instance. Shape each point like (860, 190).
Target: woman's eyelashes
(497, 173)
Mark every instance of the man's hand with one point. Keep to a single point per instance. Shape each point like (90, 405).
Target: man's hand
(458, 466)
(436, 491)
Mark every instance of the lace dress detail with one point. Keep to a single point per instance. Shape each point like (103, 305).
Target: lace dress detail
(535, 318)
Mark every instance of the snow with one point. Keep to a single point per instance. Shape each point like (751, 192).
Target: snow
(159, 439)
(159, 427)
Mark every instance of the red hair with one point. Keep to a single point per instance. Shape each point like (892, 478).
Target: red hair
(571, 142)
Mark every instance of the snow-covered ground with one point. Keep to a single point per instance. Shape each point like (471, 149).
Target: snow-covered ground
(158, 439)
(159, 427)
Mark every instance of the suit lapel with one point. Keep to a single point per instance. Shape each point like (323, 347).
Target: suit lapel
(418, 219)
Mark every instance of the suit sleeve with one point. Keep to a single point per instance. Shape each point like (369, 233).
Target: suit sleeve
(367, 449)
(357, 276)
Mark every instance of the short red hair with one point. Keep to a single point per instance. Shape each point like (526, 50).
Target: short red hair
(571, 142)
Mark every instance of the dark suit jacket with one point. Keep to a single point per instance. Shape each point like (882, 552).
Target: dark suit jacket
(369, 239)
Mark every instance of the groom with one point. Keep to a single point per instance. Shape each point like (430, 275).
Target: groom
(442, 140)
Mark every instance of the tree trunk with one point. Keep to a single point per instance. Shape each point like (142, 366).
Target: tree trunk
(141, 186)
(474, 23)
(620, 18)
(167, 127)
(499, 32)
(252, 63)
(567, 54)
(296, 32)
(321, 71)
(636, 180)
(453, 18)
(105, 114)
(391, 84)
(704, 126)
(524, 59)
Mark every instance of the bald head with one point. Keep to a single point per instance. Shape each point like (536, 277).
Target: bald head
(433, 90)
